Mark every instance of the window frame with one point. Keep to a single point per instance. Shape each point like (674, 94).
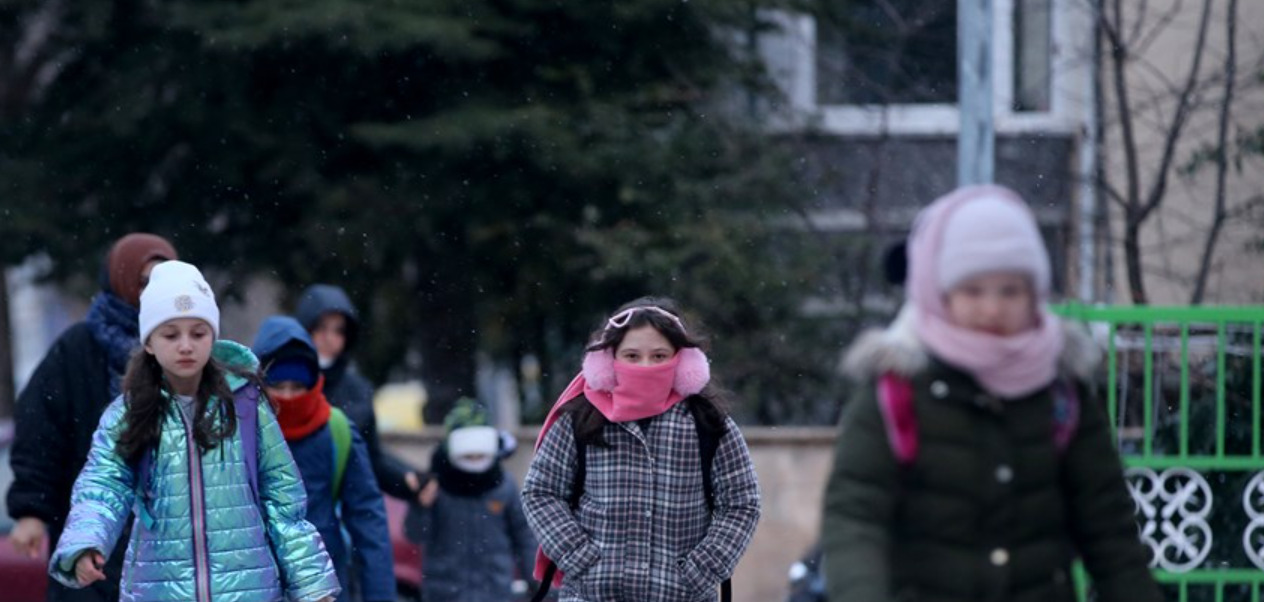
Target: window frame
(1070, 78)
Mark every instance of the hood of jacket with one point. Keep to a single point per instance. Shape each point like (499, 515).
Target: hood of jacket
(320, 299)
(238, 358)
(897, 349)
(283, 336)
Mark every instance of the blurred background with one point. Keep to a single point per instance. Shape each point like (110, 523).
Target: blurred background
(489, 178)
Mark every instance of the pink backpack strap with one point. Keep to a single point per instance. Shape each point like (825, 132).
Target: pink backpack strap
(895, 399)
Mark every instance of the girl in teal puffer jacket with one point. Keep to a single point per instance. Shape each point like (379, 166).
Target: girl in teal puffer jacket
(169, 449)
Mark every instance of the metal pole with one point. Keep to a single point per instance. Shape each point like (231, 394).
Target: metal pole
(1088, 176)
(976, 152)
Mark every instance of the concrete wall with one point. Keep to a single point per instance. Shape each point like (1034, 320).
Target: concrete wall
(792, 464)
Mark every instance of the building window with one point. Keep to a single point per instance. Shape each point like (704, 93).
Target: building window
(1033, 55)
(887, 52)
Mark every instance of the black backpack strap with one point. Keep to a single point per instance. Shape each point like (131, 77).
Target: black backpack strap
(545, 583)
(577, 492)
(708, 444)
(581, 468)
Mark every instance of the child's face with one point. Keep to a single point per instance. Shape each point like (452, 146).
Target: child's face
(285, 389)
(182, 347)
(330, 335)
(999, 303)
(644, 346)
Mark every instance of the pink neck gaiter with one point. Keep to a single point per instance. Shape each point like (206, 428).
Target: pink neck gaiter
(639, 392)
(1008, 366)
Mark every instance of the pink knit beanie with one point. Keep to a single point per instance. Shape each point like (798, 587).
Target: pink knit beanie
(970, 231)
(994, 232)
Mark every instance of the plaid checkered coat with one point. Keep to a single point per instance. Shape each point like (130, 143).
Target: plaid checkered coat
(642, 531)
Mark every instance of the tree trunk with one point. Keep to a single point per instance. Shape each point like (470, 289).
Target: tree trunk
(1132, 261)
(448, 336)
(1222, 152)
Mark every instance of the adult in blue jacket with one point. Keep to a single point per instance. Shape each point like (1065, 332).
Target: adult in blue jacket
(293, 381)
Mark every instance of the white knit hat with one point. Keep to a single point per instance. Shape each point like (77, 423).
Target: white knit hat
(176, 290)
(992, 234)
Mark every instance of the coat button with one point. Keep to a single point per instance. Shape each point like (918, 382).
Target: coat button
(999, 557)
(939, 389)
(649, 514)
(1004, 473)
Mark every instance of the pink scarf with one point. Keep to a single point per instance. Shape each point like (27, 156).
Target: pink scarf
(629, 392)
(636, 392)
(1008, 366)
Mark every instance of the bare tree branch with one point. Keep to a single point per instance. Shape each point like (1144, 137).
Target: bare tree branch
(1104, 23)
(1119, 59)
(1112, 192)
(1222, 152)
(1138, 24)
(1142, 45)
(1137, 207)
(1132, 194)
(1178, 120)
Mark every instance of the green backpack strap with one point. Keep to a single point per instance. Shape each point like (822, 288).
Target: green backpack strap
(340, 428)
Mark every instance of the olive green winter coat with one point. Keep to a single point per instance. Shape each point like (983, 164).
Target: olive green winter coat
(989, 509)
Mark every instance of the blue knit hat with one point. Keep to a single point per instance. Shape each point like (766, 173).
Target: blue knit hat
(291, 369)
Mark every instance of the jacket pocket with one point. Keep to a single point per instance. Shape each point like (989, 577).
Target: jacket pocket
(687, 589)
(599, 581)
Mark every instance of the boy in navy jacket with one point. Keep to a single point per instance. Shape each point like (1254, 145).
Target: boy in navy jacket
(332, 457)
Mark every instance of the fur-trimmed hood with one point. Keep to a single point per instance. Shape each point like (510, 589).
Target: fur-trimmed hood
(897, 349)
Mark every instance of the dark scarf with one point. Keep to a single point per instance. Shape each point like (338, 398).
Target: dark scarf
(116, 327)
(335, 372)
(460, 483)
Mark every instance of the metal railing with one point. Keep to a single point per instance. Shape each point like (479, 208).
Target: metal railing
(1215, 353)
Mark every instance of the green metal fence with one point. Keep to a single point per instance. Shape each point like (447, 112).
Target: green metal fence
(1183, 388)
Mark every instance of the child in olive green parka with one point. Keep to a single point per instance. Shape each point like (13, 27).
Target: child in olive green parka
(995, 473)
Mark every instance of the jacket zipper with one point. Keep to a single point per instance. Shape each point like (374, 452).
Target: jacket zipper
(201, 567)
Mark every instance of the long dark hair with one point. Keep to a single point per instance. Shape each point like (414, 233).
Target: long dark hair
(143, 387)
(708, 406)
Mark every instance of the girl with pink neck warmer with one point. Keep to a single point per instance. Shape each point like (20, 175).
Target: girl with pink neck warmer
(641, 488)
(973, 463)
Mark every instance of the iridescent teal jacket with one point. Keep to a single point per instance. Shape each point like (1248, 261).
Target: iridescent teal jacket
(202, 536)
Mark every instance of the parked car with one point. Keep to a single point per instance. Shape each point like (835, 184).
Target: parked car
(406, 554)
(24, 579)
